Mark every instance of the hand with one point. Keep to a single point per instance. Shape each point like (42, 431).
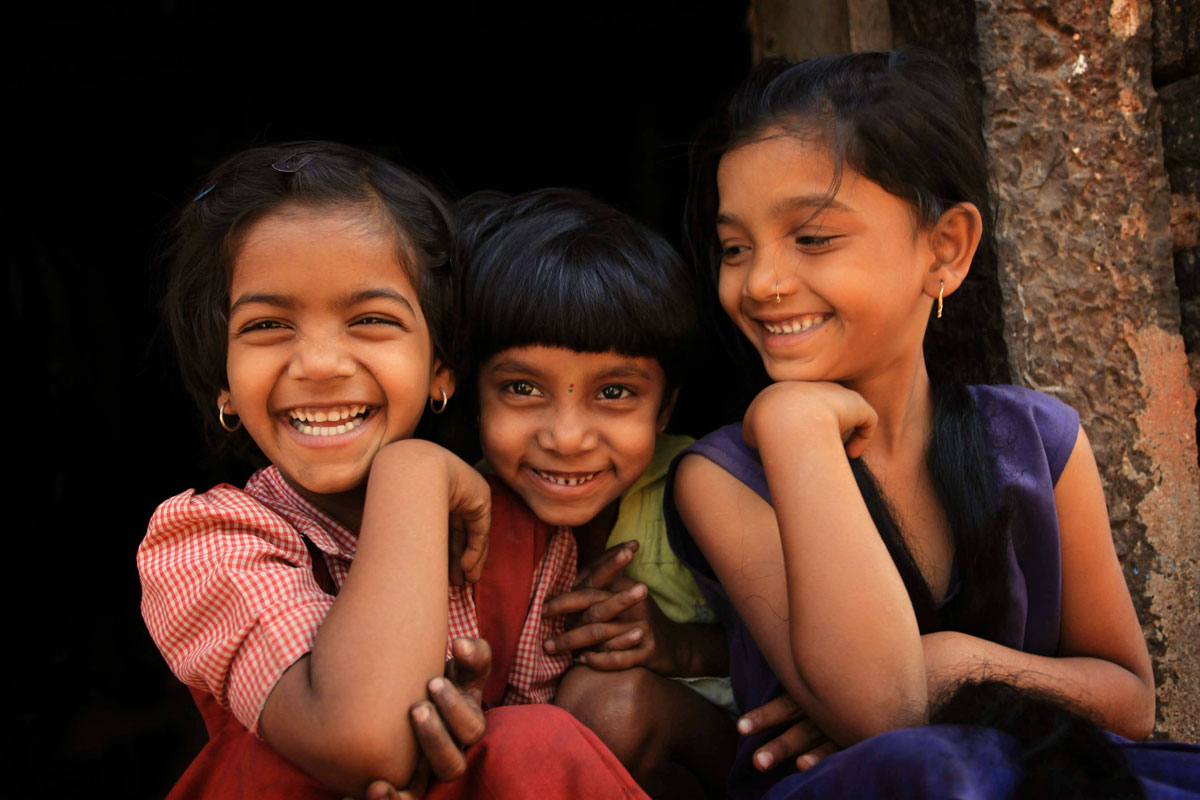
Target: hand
(798, 402)
(470, 522)
(803, 741)
(614, 620)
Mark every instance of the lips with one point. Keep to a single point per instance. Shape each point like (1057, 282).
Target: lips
(566, 478)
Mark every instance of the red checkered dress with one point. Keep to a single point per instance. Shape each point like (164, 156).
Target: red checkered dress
(229, 596)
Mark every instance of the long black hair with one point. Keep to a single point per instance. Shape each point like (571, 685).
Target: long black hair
(902, 120)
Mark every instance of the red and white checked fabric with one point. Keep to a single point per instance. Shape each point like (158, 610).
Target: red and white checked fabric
(229, 597)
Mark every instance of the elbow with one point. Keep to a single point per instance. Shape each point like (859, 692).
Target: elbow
(356, 756)
(864, 702)
(1139, 724)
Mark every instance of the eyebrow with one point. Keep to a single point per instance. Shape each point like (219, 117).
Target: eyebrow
(816, 202)
(622, 371)
(289, 302)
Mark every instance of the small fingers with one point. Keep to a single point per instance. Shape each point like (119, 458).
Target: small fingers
(802, 737)
(460, 714)
(606, 567)
(816, 755)
(586, 636)
(611, 607)
(446, 761)
(611, 660)
(471, 665)
(573, 602)
(774, 712)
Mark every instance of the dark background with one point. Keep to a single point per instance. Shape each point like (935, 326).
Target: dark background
(114, 117)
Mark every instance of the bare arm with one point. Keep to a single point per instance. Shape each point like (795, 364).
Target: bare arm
(811, 578)
(1103, 668)
(341, 713)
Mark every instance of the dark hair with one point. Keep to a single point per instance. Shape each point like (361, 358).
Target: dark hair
(1060, 753)
(902, 120)
(248, 186)
(558, 267)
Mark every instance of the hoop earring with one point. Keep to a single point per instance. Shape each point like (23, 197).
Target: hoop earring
(221, 419)
(442, 407)
(941, 291)
(777, 297)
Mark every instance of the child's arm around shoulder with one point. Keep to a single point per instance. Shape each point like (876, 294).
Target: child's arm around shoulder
(342, 711)
(810, 577)
(1103, 667)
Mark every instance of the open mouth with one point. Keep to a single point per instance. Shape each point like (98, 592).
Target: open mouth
(567, 478)
(329, 421)
(796, 325)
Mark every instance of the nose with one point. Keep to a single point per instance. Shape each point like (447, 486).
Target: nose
(767, 278)
(321, 359)
(567, 430)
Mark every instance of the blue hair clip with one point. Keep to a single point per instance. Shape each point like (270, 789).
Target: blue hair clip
(292, 163)
(206, 191)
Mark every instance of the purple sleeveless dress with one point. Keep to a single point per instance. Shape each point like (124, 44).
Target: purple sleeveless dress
(1031, 437)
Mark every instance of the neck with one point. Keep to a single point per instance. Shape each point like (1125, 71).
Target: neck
(591, 536)
(902, 398)
(345, 507)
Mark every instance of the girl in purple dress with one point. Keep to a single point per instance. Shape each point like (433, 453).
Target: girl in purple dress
(878, 540)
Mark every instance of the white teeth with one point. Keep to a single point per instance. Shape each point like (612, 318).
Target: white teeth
(563, 481)
(326, 430)
(794, 325)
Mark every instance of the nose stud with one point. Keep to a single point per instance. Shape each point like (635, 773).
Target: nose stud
(777, 297)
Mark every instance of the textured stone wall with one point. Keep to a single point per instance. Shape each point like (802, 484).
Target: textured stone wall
(1088, 231)
(1091, 305)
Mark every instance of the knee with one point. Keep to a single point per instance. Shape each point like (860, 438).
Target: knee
(612, 704)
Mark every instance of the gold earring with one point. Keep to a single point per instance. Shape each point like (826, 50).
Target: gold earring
(941, 291)
(221, 418)
(442, 407)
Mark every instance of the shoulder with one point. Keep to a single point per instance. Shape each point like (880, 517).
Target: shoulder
(726, 448)
(1016, 415)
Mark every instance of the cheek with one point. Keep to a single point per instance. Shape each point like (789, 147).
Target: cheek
(729, 293)
(500, 435)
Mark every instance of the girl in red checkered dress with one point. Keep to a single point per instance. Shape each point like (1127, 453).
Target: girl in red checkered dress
(308, 294)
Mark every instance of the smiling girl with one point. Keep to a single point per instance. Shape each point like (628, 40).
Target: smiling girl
(308, 294)
(881, 539)
(576, 326)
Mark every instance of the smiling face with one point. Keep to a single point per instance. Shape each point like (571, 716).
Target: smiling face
(570, 431)
(329, 355)
(825, 290)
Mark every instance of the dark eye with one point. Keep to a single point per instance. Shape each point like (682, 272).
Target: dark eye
(614, 391)
(262, 325)
(814, 242)
(732, 251)
(369, 320)
(523, 388)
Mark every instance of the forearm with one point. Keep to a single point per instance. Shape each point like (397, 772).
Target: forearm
(853, 633)
(344, 716)
(1112, 696)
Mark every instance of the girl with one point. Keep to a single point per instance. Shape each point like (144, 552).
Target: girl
(837, 201)
(308, 294)
(576, 324)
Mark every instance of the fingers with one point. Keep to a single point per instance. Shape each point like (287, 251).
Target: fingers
(607, 566)
(475, 552)
(471, 506)
(471, 665)
(382, 790)
(446, 761)
(775, 712)
(460, 713)
(598, 605)
(596, 634)
(612, 660)
(801, 738)
(815, 756)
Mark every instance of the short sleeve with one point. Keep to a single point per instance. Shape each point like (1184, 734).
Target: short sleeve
(228, 595)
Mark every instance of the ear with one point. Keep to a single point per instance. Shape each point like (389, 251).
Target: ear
(225, 401)
(953, 241)
(441, 379)
(664, 413)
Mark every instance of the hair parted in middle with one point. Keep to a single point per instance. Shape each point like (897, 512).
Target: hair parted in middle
(560, 268)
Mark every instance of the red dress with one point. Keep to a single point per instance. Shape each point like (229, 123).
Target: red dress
(534, 750)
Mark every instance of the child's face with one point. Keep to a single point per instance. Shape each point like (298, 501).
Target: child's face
(326, 335)
(824, 290)
(570, 431)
